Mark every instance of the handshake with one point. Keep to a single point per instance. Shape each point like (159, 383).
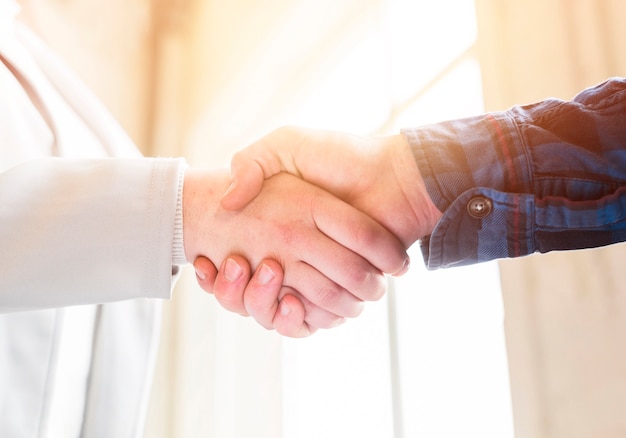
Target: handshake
(305, 227)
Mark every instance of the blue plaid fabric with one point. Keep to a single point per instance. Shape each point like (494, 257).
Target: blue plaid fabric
(536, 178)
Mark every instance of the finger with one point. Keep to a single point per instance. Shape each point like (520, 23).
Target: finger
(361, 234)
(265, 293)
(297, 317)
(282, 308)
(321, 291)
(266, 157)
(328, 273)
(231, 282)
(206, 272)
(314, 316)
(289, 320)
(262, 293)
(405, 268)
(246, 182)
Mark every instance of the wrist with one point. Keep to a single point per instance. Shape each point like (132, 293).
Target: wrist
(201, 195)
(412, 185)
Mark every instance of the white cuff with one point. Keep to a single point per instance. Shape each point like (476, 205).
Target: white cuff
(178, 245)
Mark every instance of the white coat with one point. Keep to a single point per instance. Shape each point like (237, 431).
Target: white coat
(84, 220)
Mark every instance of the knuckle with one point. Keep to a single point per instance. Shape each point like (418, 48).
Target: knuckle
(341, 302)
(368, 284)
(366, 236)
(329, 295)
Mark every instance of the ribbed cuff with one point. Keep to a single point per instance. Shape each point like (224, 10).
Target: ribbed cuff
(178, 245)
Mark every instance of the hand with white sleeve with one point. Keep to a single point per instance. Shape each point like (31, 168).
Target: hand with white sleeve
(333, 256)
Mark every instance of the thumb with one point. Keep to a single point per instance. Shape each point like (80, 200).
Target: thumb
(206, 273)
(246, 176)
(270, 155)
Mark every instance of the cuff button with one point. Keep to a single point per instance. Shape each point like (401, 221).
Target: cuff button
(479, 207)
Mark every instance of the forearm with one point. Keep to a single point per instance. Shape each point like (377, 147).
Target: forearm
(86, 231)
(551, 176)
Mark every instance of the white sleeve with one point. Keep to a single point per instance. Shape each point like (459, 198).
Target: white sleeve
(82, 231)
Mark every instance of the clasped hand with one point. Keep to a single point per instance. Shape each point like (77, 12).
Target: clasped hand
(320, 240)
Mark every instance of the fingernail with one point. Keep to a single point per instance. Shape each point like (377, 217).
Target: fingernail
(285, 309)
(405, 267)
(340, 321)
(232, 270)
(265, 274)
(201, 275)
(230, 188)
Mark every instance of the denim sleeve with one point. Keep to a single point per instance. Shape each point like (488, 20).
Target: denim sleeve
(536, 178)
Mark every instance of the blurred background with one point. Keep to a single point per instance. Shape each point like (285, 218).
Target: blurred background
(527, 348)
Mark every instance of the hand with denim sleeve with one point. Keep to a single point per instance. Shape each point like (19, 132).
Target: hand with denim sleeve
(377, 175)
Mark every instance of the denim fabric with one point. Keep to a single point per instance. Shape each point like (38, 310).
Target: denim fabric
(553, 172)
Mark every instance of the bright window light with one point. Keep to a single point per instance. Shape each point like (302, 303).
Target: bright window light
(430, 359)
